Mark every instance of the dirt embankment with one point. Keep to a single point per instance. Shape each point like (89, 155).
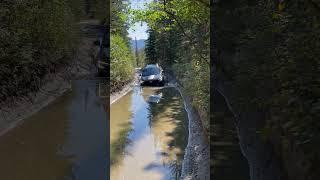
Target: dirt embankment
(123, 89)
(15, 109)
(263, 162)
(196, 161)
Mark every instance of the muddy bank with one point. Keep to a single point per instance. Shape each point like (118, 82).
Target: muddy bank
(123, 91)
(262, 159)
(196, 161)
(229, 162)
(118, 92)
(15, 109)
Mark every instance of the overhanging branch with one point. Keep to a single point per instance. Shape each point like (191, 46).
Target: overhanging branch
(191, 39)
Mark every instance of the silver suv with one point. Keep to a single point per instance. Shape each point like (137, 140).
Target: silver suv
(152, 73)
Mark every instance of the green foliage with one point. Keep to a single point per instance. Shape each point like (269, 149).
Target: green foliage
(36, 38)
(141, 60)
(121, 70)
(268, 53)
(150, 48)
(195, 78)
(120, 18)
(100, 9)
(121, 57)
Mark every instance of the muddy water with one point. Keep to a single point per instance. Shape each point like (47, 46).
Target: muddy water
(65, 140)
(148, 134)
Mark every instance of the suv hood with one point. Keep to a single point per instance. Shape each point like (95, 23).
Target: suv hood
(151, 77)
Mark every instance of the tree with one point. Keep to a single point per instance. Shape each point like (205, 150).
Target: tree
(150, 48)
(122, 60)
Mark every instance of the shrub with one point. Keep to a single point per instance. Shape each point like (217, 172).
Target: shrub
(122, 61)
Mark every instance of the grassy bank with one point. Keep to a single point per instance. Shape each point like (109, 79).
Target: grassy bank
(121, 63)
(37, 38)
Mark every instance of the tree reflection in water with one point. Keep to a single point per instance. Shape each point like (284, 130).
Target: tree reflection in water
(169, 116)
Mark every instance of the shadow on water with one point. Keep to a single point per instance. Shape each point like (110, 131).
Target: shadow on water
(148, 138)
(121, 127)
(178, 136)
(86, 135)
(228, 161)
(29, 151)
(118, 147)
(65, 140)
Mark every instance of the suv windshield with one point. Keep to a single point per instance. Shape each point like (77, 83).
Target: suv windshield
(150, 71)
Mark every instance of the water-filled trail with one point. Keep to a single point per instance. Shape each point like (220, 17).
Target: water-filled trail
(65, 140)
(149, 133)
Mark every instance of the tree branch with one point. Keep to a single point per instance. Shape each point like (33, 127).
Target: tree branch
(204, 3)
(186, 35)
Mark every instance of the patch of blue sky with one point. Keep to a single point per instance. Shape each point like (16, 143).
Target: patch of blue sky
(139, 29)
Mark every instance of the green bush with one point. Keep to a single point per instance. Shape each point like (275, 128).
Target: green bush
(122, 61)
(195, 77)
(35, 38)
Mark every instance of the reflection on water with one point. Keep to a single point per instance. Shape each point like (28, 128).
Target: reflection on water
(65, 140)
(148, 138)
